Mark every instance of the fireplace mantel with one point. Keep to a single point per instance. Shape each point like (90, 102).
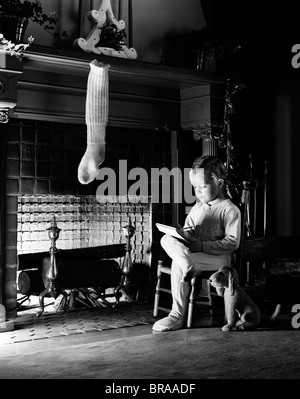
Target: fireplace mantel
(52, 87)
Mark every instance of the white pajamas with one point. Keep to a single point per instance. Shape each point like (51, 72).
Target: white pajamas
(218, 227)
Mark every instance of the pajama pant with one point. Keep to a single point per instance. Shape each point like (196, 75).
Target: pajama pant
(182, 259)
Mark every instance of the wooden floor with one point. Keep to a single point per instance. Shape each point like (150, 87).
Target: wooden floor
(203, 352)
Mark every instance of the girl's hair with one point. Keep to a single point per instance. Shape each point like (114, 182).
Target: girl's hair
(214, 168)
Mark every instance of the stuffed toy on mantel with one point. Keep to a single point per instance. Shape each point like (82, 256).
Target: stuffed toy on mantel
(96, 117)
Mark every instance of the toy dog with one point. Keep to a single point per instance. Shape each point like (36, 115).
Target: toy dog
(240, 310)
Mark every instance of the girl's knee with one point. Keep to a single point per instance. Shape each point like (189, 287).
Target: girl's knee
(166, 241)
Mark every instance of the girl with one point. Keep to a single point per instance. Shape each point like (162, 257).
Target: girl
(212, 229)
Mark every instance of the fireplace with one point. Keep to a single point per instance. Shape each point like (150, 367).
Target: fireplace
(43, 142)
(41, 182)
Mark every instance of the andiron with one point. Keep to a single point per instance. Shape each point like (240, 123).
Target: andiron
(52, 288)
(128, 231)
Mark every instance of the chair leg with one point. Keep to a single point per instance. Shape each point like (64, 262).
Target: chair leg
(191, 304)
(157, 289)
(210, 302)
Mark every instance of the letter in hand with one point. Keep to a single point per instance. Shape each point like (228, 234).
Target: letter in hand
(185, 232)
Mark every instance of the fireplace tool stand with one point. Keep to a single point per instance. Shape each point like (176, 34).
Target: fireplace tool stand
(52, 288)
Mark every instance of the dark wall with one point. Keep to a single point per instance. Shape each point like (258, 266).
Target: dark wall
(266, 123)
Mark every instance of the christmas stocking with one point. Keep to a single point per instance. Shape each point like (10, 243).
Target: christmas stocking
(96, 116)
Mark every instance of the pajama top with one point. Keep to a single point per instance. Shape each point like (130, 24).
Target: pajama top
(217, 226)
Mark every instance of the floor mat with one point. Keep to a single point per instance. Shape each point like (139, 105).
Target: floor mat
(29, 327)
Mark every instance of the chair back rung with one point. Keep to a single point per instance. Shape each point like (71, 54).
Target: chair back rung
(167, 310)
(165, 269)
(168, 291)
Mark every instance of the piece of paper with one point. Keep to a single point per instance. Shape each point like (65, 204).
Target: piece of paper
(171, 231)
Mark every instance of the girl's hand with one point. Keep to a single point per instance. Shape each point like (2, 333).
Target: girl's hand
(184, 232)
(195, 245)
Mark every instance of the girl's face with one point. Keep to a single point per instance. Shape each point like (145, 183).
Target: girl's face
(206, 190)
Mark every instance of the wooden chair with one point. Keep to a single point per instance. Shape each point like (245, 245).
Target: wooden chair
(201, 292)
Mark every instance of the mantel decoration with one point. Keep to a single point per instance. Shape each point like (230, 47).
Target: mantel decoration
(16, 14)
(207, 45)
(107, 37)
(196, 47)
(14, 49)
(14, 18)
(224, 140)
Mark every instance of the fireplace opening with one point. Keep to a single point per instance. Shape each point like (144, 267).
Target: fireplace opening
(40, 161)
